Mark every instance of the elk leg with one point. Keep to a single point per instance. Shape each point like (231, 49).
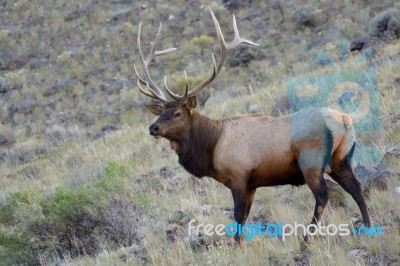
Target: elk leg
(249, 202)
(242, 200)
(344, 175)
(317, 184)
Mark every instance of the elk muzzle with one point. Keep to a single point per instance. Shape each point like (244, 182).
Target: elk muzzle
(155, 131)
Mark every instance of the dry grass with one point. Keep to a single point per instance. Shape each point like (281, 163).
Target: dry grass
(162, 187)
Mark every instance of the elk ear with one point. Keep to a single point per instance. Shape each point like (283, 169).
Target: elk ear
(191, 103)
(155, 109)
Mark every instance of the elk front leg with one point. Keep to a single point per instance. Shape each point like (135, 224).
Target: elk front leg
(242, 199)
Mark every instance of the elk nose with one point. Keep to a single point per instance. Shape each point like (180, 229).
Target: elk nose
(153, 129)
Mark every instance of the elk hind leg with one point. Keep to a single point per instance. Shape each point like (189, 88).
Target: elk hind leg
(317, 185)
(343, 174)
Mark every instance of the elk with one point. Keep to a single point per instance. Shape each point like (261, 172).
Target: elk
(251, 151)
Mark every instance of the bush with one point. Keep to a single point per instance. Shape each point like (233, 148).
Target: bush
(202, 96)
(72, 221)
(16, 249)
(58, 133)
(304, 16)
(386, 24)
(21, 209)
(7, 138)
(204, 42)
(243, 55)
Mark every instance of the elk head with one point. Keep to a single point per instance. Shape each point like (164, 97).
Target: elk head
(175, 116)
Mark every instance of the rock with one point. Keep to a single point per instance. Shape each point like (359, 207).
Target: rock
(105, 130)
(170, 238)
(25, 106)
(397, 190)
(395, 150)
(59, 86)
(180, 217)
(362, 43)
(7, 139)
(356, 220)
(12, 60)
(206, 209)
(3, 155)
(199, 242)
(376, 176)
(112, 86)
(173, 180)
(302, 258)
(357, 253)
(166, 172)
(234, 4)
(37, 62)
(86, 120)
(229, 213)
(78, 13)
(253, 108)
(6, 87)
(172, 228)
(135, 251)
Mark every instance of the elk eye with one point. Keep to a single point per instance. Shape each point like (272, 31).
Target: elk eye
(177, 114)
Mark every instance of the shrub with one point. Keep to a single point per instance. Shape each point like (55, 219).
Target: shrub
(386, 24)
(202, 97)
(68, 205)
(72, 221)
(304, 16)
(58, 133)
(21, 208)
(242, 56)
(204, 42)
(7, 138)
(15, 248)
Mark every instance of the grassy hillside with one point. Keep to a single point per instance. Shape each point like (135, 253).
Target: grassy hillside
(81, 180)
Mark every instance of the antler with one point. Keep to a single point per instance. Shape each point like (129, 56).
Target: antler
(225, 50)
(153, 90)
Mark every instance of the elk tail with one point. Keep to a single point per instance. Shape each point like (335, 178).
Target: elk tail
(328, 145)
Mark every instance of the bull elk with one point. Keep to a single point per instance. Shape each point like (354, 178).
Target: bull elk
(251, 151)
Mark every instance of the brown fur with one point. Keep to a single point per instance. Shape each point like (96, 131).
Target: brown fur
(251, 151)
(196, 149)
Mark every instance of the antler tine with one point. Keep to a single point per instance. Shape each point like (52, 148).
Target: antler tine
(186, 86)
(238, 40)
(176, 96)
(155, 92)
(173, 95)
(152, 94)
(225, 49)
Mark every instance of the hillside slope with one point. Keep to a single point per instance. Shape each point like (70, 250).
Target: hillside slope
(82, 182)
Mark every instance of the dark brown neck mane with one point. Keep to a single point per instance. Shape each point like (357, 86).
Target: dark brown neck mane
(196, 149)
